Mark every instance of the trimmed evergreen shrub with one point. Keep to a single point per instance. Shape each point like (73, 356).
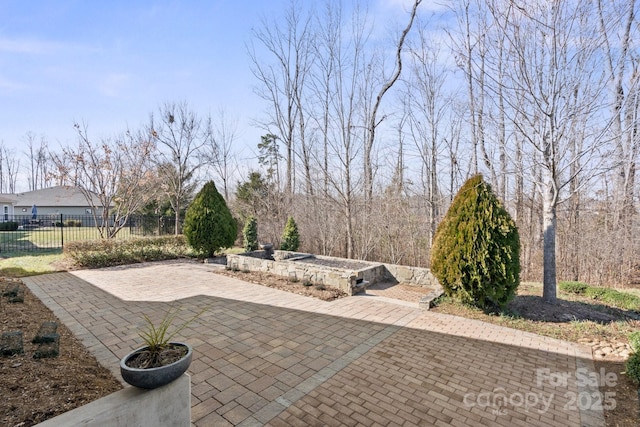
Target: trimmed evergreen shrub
(8, 226)
(250, 234)
(632, 368)
(634, 341)
(208, 223)
(573, 287)
(110, 252)
(476, 249)
(290, 236)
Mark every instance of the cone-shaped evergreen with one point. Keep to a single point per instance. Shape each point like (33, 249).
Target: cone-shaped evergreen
(208, 223)
(290, 236)
(250, 234)
(476, 250)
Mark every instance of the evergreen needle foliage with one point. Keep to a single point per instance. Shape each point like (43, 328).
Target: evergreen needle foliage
(476, 250)
(633, 367)
(290, 236)
(250, 234)
(208, 224)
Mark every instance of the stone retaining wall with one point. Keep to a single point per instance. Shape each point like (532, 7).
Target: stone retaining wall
(293, 266)
(410, 275)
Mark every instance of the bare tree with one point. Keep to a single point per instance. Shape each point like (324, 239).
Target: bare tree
(283, 81)
(344, 140)
(179, 135)
(38, 161)
(114, 175)
(9, 168)
(218, 151)
(553, 88)
(430, 108)
(372, 119)
(2, 168)
(623, 77)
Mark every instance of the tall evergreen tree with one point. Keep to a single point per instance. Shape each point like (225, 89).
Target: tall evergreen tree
(209, 225)
(476, 251)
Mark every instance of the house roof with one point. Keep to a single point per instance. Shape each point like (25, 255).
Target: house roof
(8, 198)
(60, 196)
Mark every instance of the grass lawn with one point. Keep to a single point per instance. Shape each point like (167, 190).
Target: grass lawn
(51, 237)
(573, 318)
(23, 264)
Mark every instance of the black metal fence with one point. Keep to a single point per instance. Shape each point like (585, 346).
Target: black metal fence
(46, 232)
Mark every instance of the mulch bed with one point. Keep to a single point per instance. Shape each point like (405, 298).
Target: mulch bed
(34, 390)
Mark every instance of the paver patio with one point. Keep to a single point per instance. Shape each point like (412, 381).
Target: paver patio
(263, 356)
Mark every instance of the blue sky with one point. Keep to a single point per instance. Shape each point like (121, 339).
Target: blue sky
(112, 63)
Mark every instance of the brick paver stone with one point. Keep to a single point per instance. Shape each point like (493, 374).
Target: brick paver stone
(264, 356)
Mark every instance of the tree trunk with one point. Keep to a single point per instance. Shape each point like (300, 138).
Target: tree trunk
(549, 254)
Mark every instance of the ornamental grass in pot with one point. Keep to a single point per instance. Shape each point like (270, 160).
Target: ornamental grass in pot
(161, 360)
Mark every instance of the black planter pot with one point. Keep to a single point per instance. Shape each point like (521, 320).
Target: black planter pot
(155, 377)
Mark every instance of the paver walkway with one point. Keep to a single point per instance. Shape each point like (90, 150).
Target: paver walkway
(263, 356)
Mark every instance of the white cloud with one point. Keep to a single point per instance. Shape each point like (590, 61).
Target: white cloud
(27, 46)
(7, 85)
(39, 47)
(113, 85)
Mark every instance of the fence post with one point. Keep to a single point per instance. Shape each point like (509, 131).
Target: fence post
(61, 231)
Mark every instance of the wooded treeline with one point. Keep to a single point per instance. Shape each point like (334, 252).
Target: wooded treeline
(371, 126)
(542, 98)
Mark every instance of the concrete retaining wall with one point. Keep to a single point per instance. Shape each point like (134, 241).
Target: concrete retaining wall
(169, 405)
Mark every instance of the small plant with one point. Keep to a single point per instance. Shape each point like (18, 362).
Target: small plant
(320, 287)
(633, 367)
(157, 338)
(250, 234)
(574, 287)
(616, 298)
(634, 341)
(307, 283)
(290, 236)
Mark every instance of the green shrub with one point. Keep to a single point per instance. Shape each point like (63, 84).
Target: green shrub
(618, 299)
(290, 236)
(633, 367)
(73, 223)
(634, 341)
(573, 287)
(208, 223)
(8, 226)
(250, 234)
(476, 249)
(110, 252)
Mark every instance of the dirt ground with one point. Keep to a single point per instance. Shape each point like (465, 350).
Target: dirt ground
(315, 291)
(34, 390)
